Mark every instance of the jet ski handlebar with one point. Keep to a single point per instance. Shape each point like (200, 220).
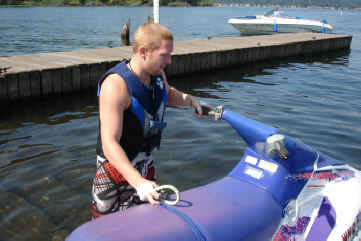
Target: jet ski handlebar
(251, 131)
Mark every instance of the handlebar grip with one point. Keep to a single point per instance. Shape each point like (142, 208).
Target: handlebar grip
(205, 110)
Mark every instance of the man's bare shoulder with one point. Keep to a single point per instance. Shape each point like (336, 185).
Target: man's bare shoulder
(114, 88)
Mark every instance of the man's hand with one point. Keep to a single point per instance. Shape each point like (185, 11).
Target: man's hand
(146, 192)
(195, 103)
(207, 110)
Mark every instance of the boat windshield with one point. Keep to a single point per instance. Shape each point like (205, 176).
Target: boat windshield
(277, 13)
(273, 13)
(269, 13)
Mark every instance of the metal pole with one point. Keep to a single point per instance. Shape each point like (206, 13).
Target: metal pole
(156, 10)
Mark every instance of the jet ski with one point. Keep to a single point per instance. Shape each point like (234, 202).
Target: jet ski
(281, 190)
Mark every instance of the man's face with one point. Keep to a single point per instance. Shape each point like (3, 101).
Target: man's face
(160, 58)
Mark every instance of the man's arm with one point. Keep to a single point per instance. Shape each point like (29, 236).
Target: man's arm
(114, 99)
(178, 98)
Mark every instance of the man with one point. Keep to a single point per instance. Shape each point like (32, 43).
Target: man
(132, 99)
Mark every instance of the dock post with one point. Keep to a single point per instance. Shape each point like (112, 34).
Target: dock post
(124, 35)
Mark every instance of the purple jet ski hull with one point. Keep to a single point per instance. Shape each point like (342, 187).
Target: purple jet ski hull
(228, 209)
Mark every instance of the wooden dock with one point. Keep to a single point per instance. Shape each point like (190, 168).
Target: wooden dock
(41, 75)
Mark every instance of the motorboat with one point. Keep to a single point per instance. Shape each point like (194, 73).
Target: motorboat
(281, 190)
(274, 22)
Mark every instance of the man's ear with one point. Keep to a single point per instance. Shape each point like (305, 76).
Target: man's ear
(142, 52)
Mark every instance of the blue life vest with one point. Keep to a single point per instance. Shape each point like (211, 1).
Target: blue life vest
(143, 120)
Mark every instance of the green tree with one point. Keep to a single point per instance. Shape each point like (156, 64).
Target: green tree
(164, 2)
(16, 2)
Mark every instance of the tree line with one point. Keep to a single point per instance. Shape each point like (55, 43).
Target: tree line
(297, 3)
(106, 2)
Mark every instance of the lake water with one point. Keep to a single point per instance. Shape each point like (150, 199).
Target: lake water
(47, 148)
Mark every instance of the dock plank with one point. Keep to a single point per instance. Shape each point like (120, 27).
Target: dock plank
(44, 74)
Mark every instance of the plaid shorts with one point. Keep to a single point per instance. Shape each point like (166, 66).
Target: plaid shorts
(111, 192)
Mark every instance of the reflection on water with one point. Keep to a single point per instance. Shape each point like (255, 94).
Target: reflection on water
(78, 105)
(47, 147)
(45, 166)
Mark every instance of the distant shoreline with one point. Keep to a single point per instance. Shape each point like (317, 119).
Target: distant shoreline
(129, 3)
(184, 4)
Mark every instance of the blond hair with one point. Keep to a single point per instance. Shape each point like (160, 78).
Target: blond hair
(150, 35)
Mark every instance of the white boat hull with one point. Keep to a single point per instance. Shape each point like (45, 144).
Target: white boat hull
(273, 25)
